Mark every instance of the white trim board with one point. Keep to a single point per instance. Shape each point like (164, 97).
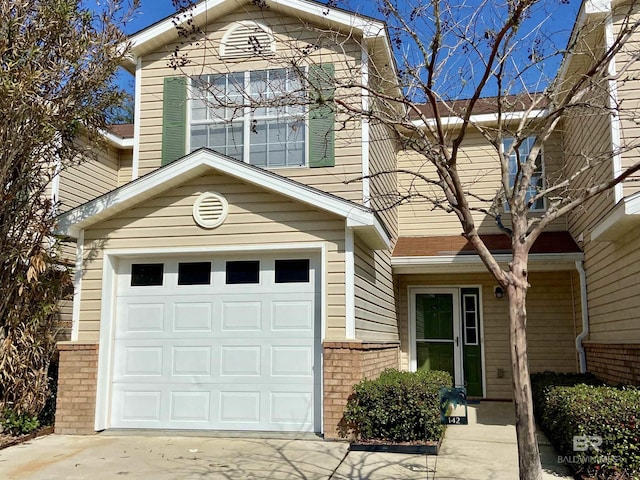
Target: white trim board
(198, 163)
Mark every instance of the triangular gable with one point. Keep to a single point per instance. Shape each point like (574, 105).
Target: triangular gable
(164, 32)
(358, 217)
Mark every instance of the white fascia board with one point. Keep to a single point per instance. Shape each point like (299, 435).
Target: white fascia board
(626, 212)
(117, 141)
(193, 165)
(473, 263)
(484, 118)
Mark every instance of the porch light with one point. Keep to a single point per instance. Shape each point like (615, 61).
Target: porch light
(498, 291)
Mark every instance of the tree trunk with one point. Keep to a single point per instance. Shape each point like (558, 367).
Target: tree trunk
(528, 453)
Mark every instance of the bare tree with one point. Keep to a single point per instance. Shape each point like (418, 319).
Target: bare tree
(58, 60)
(454, 59)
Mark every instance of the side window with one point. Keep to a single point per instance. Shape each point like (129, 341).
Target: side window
(147, 274)
(536, 182)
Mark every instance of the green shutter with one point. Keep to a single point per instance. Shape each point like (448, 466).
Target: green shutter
(322, 116)
(174, 119)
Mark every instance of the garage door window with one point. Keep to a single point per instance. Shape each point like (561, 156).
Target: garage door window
(244, 271)
(292, 271)
(146, 274)
(194, 273)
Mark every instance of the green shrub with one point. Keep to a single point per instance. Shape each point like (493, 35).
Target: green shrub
(396, 407)
(542, 382)
(591, 410)
(18, 424)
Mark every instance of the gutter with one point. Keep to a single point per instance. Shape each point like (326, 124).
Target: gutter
(585, 316)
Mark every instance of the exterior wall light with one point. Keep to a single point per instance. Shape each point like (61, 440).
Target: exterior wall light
(498, 291)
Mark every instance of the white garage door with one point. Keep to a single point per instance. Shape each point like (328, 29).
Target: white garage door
(217, 343)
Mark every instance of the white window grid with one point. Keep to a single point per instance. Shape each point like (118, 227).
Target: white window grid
(277, 132)
(536, 182)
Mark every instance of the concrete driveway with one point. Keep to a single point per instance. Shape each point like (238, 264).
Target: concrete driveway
(484, 449)
(159, 458)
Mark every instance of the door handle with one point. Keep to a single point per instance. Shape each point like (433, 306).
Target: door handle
(457, 341)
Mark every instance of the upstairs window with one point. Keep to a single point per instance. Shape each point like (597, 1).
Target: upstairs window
(536, 183)
(257, 117)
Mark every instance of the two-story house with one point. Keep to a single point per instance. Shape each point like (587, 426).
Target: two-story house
(231, 275)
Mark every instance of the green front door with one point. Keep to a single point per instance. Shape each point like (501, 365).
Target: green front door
(447, 335)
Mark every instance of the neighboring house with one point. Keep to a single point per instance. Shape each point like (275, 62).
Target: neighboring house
(213, 293)
(608, 227)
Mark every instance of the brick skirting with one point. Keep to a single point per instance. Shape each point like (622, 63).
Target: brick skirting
(77, 383)
(614, 363)
(345, 364)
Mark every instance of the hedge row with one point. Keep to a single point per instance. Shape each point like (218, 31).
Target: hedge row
(594, 427)
(396, 407)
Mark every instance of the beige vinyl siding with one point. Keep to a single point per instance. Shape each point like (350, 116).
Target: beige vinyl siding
(383, 188)
(256, 217)
(291, 36)
(551, 326)
(376, 318)
(613, 270)
(126, 167)
(89, 178)
(479, 168)
(628, 91)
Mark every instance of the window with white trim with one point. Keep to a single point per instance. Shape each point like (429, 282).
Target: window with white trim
(536, 182)
(256, 116)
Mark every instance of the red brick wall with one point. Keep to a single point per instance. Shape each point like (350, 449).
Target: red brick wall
(614, 363)
(345, 364)
(77, 383)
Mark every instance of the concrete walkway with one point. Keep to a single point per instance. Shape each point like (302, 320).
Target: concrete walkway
(483, 450)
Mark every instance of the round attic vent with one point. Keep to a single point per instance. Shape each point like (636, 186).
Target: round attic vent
(210, 209)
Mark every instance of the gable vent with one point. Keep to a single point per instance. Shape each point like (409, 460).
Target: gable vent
(247, 39)
(210, 210)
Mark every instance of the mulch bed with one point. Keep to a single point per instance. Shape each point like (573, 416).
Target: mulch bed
(11, 440)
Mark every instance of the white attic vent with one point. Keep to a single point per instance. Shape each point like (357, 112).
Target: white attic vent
(210, 210)
(247, 39)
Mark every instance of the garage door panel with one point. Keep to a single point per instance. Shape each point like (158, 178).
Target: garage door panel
(288, 315)
(191, 360)
(241, 315)
(190, 406)
(240, 360)
(192, 317)
(291, 361)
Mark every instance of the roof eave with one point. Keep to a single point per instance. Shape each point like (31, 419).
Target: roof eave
(538, 262)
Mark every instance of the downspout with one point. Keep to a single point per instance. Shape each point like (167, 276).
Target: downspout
(585, 316)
